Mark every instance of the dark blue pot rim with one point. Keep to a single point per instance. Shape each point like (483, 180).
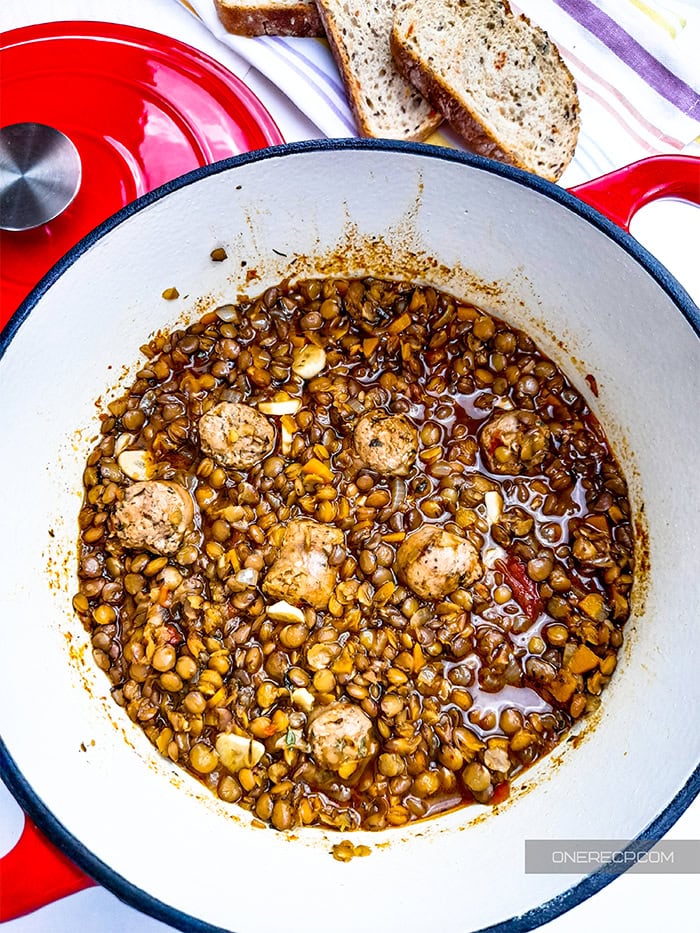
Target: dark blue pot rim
(11, 774)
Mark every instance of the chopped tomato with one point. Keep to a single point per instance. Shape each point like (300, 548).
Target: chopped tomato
(496, 441)
(525, 591)
(501, 792)
(174, 637)
(593, 425)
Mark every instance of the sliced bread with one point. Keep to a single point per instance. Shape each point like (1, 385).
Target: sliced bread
(270, 17)
(496, 78)
(383, 102)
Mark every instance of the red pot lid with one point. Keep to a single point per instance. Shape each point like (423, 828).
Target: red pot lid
(141, 108)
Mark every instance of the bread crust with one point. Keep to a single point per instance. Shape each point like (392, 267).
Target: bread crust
(476, 135)
(354, 89)
(271, 19)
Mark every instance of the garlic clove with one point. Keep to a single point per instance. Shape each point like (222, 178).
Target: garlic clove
(494, 506)
(123, 442)
(303, 698)
(283, 611)
(287, 440)
(137, 464)
(289, 406)
(308, 361)
(238, 751)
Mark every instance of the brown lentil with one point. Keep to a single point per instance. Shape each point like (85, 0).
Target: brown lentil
(187, 641)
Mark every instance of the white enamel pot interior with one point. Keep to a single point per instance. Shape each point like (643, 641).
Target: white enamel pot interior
(531, 253)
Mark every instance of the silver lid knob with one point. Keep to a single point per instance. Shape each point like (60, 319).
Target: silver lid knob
(40, 174)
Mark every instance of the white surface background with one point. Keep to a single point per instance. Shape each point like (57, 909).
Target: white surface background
(669, 230)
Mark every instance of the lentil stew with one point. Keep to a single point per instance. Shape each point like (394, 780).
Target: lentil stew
(353, 553)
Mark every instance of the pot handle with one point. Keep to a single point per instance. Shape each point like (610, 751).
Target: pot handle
(621, 193)
(35, 873)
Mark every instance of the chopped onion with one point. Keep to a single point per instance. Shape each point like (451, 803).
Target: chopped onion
(303, 698)
(492, 555)
(247, 577)
(287, 439)
(397, 487)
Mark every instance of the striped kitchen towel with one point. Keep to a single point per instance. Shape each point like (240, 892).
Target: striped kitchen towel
(636, 64)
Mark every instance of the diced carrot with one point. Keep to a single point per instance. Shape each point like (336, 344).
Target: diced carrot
(418, 658)
(615, 513)
(394, 536)
(583, 660)
(594, 607)
(233, 559)
(366, 523)
(401, 323)
(343, 664)
(318, 468)
(369, 345)
(563, 686)
(218, 699)
(619, 603)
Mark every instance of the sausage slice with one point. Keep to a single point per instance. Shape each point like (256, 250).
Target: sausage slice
(514, 442)
(154, 515)
(386, 443)
(341, 736)
(302, 571)
(236, 435)
(434, 562)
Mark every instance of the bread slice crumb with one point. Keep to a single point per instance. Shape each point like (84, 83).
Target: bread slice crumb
(496, 78)
(384, 104)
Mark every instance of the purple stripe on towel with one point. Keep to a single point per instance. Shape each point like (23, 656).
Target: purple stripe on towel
(628, 50)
